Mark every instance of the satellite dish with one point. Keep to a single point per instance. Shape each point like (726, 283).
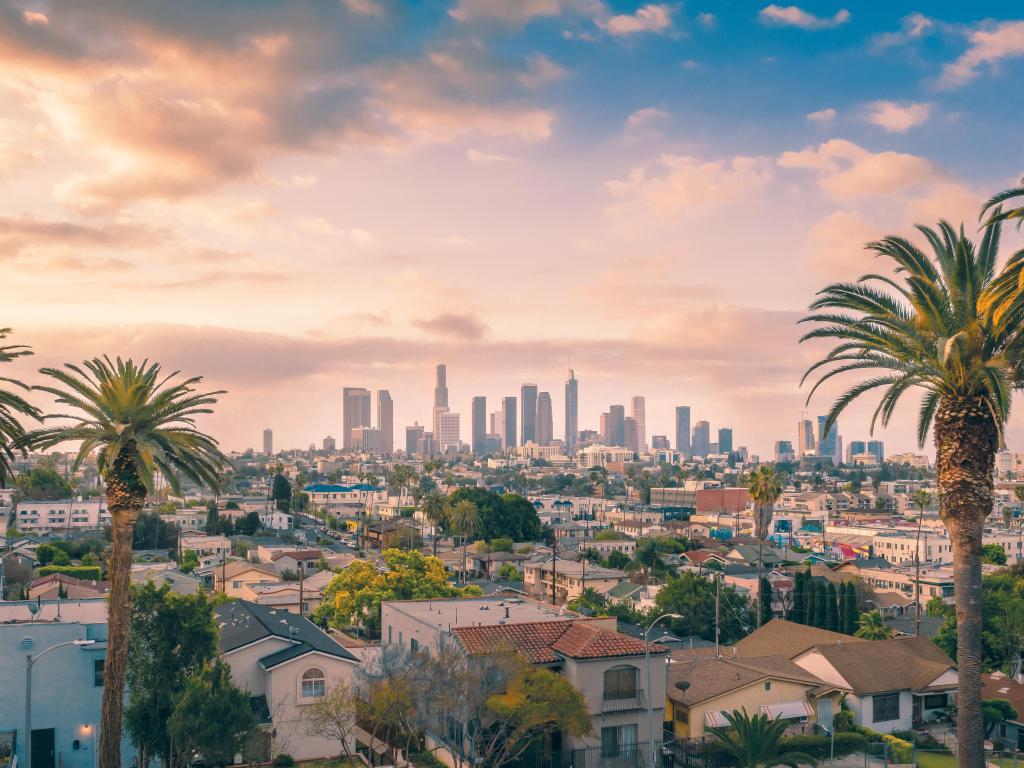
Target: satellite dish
(683, 685)
(33, 608)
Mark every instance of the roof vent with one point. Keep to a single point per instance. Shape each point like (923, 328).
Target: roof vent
(27, 643)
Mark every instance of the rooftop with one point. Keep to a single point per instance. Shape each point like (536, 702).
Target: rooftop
(478, 611)
(786, 638)
(545, 642)
(710, 677)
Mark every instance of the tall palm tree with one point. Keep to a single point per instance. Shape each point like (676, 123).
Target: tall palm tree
(993, 206)
(752, 741)
(140, 425)
(436, 509)
(465, 518)
(12, 405)
(871, 626)
(765, 487)
(921, 499)
(952, 325)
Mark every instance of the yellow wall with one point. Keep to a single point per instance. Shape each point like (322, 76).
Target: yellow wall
(752, 697)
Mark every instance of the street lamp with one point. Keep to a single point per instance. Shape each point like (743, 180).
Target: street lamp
(29, 661)
(650, 696)
(832, 742)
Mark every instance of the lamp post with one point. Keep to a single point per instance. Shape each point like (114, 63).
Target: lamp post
(29, 661)
(650, 697)
(832, 742)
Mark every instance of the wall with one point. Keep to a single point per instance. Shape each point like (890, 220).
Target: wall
(752, 697)
(866, 714)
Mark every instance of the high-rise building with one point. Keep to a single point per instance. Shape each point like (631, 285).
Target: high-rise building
(366, 439)
(413, 436)
(268, 442)
(701, 443)
(805, 442)
(355, 412)
(508, 423)
(386, 421)
(683, 431)
(448, 437)
(441, 387)
(528, 410)
(478, 441)
(572, 412)
(329, 444)
(638, 412)
(660, 443)
(545, 419)
(613, 426)
(828, 444)
(784, 451)
(497, 425)
(631, 434)
(853, 448)
(877, 447)
(725, 440)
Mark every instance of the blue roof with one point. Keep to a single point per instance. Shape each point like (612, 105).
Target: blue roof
(330, 488)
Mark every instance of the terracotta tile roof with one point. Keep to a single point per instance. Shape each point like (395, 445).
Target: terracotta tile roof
(545, 642)
(786, 638)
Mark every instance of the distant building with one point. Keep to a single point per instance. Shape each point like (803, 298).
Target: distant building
(613, 426)
(631, 434)
(877, 447)
(853, 448)
(683, 431)
(784, 451)
(268, 442)
(638, 412)
(448, 437)
(528, 417)
(441, 387)
(355, 405)
(805, 442)
(572, 406)
(660, 443)
(545, 419)
(509, 433)
(61, 514)
(725, 440)
(828, 444)
(329, 445)
(478, 418)
(367, 440)
(701, 443)
(386, 421)
(413, 435)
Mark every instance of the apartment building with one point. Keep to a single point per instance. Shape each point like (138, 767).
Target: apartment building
(63, 514)
(570, 578)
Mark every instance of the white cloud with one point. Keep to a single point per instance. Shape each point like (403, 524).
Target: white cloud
(897, 118)
(649, 18)
(990, 46)
(540, 71)
(792, 16)
(707, 20)
(486, 158)
(822, 116)
(34, 18)
(849, 171)
(644, 117)
(518, 12)
(364, 7)
(913, 27)
(836, 246)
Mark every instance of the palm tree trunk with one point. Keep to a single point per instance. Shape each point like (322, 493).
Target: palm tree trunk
(965, 440)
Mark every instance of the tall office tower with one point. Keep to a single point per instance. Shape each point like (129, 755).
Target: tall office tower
(660, 443)
(497, 425)
(386, 421)
(805, 442)
(355, 412)
(528, 417)
(638, 412)
(877, 447)
(366, 439)
(683, 431)
(478, 441)
(853, 448)
(329, 444)
(448, 437)
(545, 419)
(441, 387)
(784, 451)
(438, 411)
(572, 413)
(631, 434)
(268, 442)
(828, 444)
(701, 443)
(413, 436)
(725, 440)
(618, 426)
(508, 423)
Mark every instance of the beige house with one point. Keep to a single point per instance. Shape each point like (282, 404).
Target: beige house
(238, 574)
(570, 579)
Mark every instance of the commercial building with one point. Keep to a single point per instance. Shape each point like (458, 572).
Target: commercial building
(268, 442)
(386, 421)
(478, 440)
(784, 451)
(62, 514)
(355, 412)
(572, 406)
(828, 443)
(613, 428)
(701, 443)
(805, 442)
(448, 435)
(660, 443)
(725, 440)
(366, 440)
(638, 412)
(413, 436)
(683, 431)
(545, 419)
(528, 418)
(509, 432)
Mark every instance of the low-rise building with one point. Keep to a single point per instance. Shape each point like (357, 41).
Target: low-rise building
(63, 514)
(569, 577)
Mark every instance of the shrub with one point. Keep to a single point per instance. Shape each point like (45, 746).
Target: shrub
(284, 760)
(77, 571)
(424, 759)
(820, 746)
(900, 751)
(843, 721)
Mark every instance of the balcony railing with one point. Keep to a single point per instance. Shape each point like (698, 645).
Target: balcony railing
(624, 701)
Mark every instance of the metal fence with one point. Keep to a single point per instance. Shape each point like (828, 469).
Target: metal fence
(676, 754)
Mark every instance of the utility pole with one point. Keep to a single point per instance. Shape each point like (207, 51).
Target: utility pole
(302, 579)
(554, 567)
(718, 607)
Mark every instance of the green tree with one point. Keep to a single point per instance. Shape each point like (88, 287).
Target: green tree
(616, 559)
(465, 520)
(509, 572)
(851, 614)
(189, 561)
(501, 516)
(213, 526)
(436, 508)
(765, 487)
(248, 525)
(950, 324)
(607, 534)
(12, 407)
(42, 484)
(871, 626)
(996, 711)
(281, 492)
(693, 598)
(831, 608)
(796, 613)
(752, 741)
(153, 532)
(173, 636)
(212, 716)
(764, 601)
(993, 554)
(138, 422)
(646, 558)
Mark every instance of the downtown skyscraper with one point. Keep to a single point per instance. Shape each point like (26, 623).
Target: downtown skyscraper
(528, 419)
(386, 421)
(572, 413)
(355, 412)
(638, 412)
(478, 440)
(701, 439)
(508, 424)
(805, 442)
(545, 420)
(683, 431)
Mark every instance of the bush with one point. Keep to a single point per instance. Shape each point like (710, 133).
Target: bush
(820, 746)
(900, 751)
(77, 571)
(284, 760)
(843, 721)
(423, 759)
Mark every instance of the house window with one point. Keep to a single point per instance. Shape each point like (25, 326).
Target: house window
(620, 683)
(97, 672)
(767, 685)
(885, 707)
(618, 741)
(936, 701)
(314, 685)
(680, 714)
(414, 644)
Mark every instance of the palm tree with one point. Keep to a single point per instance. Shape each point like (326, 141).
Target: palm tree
(752, 741)
(953, 326)
(871, 626)
(765, 487)
(994, 204)
(921, 499)
(436, 509)
(12, 405)
(140, 425)
(465, 518)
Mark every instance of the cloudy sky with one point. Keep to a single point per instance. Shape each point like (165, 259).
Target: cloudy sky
(291, 196)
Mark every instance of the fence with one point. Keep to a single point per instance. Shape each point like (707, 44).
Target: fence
(673, 754)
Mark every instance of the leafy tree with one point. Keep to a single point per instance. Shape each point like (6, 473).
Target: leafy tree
(248, 525)
(752, 741)
(436, 509)
(764, 601)
(948, 323)
(42, 484)
(189, 561)
(993, 554)
(937, 607)
(871, 626)
(333, 717)
(12, 406)
(831, 608)
(693, 597)
(213, 526)
(509, 572)
(173, 636)
(465, 520)
(616, 559)
(153, 532)
(590, 599)
(796, 613)
(607, 534)
(764, 487)
(282, 493)
(996, 711)
(501, 544)
(509, 515)
(647, 559)
(137, 422)
(851, 615)
(212, 716)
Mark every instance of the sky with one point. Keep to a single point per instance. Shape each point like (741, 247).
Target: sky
(290, 197)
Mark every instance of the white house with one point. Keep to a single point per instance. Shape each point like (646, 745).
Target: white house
(61, 514)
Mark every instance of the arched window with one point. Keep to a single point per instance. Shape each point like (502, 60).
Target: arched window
(314, 685)
(620, 683)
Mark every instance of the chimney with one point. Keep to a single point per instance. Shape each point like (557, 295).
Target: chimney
(506, 611)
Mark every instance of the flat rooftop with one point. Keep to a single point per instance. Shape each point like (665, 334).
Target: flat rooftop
(84, 611)
(478, 611)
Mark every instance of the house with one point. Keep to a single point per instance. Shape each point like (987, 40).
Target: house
(702, 688)
(64, 587)
(400, 531)
(749, 554)
(167, 573)
(570, 578)
(605, 547)
(62, 514)
(996, 685)
(202, 544)
(284, 595)
(236, 574)
(489, 564)
(293, 560)
(285, 663)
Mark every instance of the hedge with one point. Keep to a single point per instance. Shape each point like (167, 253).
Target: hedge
(89, 572)
(820, 747)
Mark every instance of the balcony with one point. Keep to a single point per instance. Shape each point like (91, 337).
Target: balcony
(624, 701)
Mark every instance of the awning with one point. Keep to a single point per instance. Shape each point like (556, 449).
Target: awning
(787, 710)
(715, 720)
